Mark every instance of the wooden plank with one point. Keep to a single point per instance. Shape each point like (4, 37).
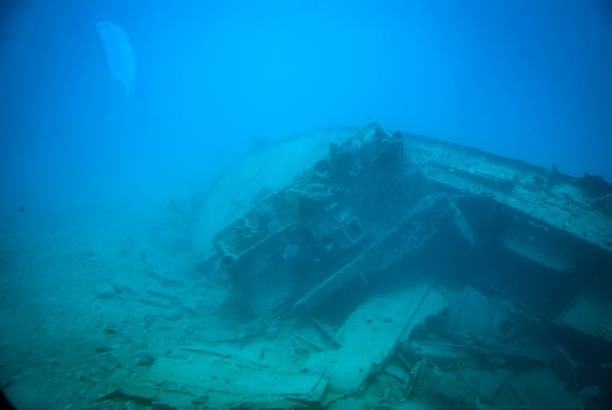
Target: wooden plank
(371, 333)
(518, 185)
(199, 376)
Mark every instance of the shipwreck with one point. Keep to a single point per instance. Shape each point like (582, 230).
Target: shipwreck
(385, 269)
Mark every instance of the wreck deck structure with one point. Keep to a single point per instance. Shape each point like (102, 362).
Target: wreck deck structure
(391, 257)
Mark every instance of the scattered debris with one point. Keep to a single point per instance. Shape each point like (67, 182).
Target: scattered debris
(389, 270)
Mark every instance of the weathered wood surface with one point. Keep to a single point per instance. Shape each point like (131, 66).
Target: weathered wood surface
(581, 207)
(371, 333)
(197, 375)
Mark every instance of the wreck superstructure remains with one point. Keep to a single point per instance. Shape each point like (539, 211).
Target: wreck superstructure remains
(376, 197)
(393, 260)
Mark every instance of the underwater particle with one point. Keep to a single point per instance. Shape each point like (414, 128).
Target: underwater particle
(21, 208)
(119, 54)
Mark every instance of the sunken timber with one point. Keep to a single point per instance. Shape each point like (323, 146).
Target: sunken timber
(402, 272)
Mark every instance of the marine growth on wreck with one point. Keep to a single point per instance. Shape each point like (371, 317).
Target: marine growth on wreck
(389, 270)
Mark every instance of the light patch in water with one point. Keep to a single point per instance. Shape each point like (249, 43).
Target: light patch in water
(119, 54)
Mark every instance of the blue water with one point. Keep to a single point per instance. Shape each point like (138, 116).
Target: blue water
(101, 152)
(526, 79)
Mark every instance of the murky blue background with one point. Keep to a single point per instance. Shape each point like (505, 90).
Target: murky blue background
(526, 79)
